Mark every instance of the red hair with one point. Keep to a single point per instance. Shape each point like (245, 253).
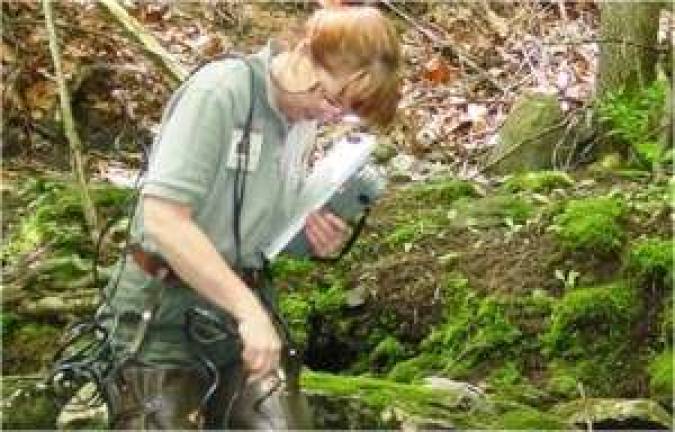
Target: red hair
(350, 40)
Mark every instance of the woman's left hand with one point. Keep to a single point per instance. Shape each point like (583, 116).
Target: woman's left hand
(326, 232)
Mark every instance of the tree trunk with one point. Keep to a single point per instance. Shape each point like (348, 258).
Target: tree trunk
(628, 45)
(77, 159)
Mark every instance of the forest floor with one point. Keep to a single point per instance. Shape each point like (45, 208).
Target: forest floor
(533, 290)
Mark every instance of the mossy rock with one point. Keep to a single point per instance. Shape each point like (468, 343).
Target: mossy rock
(528, 136)
(538, 181)
(391, 404)
(613, 414)
(592, 225)
(661, 375)
(592, 319)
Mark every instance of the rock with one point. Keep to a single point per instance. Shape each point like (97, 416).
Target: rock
(342, 402)
(467, 391)
(357, 296)
(615, 414)
(400, 168)
(528, 136)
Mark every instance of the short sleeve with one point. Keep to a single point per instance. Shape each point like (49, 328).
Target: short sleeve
(192, 140)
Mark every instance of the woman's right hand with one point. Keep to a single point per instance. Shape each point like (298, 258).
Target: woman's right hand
(261, 345)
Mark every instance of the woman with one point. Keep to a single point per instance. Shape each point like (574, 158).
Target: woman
(225, 171)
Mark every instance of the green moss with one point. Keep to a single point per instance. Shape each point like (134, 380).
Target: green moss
(526, 418)
(651, 260)
(538, 181)
(387, 353)
(30, 347)
(592, 225)
(592, 319)
(666, 327)
(610, 374)
(507, 375)
(492, 210)
(32, 409)
(661, 375)
(413, 369)
(54, 215)
(440, 191)
(296, 309)
(8, 322)
(415, 400)
(284, 267)
(475, 331)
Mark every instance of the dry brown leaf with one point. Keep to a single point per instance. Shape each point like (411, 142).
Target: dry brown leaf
(438, 71)
(41, 95)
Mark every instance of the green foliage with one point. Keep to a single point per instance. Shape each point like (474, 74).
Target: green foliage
(634, 118)
(592, 320)
(652, 260)
(661, 375)
(440, 191)
(591, 225)
(538, 181)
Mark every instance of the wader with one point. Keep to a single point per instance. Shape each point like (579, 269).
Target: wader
(146, 396)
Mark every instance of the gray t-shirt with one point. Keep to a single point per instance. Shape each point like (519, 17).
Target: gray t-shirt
(194, 162)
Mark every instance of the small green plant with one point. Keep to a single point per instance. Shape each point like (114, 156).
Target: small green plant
(634, 118)
(592, 225)
(568, 279)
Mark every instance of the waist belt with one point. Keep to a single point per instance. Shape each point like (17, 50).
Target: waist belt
(155, 266)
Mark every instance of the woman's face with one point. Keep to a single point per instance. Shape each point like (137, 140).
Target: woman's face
(307, 91)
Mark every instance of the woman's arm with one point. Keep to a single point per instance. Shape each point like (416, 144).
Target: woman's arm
(194, 258)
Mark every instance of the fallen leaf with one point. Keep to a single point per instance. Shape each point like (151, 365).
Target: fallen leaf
(438, 72)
